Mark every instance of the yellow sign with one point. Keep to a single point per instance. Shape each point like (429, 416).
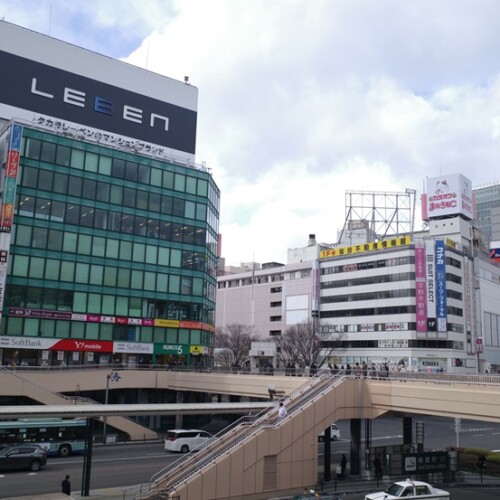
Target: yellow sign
(167, 323)
(365, 247)
(196, 349)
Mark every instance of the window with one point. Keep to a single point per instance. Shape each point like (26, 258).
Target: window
(276, 304)
(275, 318)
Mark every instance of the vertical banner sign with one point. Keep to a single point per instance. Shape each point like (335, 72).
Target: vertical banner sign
(315, 289)
(9, 180)
(468, 307)
(421, 309)
(430, 279)
(440, 287)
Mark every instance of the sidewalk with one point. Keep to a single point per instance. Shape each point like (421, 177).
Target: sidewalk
(102, 494)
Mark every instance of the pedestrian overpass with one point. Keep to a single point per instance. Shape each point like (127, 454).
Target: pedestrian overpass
(259, 457)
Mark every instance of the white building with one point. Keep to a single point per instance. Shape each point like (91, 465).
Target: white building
(425, 301)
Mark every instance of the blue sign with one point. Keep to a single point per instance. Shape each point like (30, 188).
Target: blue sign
(440, 287)
(16, 133)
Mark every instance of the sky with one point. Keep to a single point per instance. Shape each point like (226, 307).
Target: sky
(302, 101)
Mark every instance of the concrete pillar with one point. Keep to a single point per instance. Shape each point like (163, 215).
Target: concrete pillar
(327, 453)
(180, 398)
(407, 430)
(355, 446)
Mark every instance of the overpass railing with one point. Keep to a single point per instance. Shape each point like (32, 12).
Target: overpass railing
(242, 431)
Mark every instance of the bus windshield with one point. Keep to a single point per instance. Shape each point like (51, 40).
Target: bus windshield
(60, 437)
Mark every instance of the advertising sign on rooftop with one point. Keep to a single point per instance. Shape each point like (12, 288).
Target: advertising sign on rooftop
(448, 195)
(48, 79)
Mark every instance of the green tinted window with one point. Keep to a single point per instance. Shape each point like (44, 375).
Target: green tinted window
(23, 236)
(139, 252)
(105, 165)
(85, 244)
(124, 278)
(92, 331)
(80, 302)
(63, 155)
(110, 276)
(82, 273)
(164, 256)
(67, 271)
(94, 303)
(69, 243)
(151, 254)
(78, 329)
(126, 250)
(36, 267)
(149, 280)
(174, 284)
(202, 187)
(155, 177)
(108, 304)
(175, 258)
(20, 267)
(98, 246)
(180, 182)
(135, 307)
(96, 275)
(168, 180)
(106, 332)
(189, 209)
(161, 282)
(91, 160)
(112, 249)
(52, 269)
(191, 185)
(77, 158)
(122, 306)
(137, 279)
(198, 286)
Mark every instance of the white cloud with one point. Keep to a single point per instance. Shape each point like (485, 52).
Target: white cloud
(303, 100)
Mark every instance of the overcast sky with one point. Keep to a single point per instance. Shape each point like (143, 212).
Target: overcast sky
(303, 100)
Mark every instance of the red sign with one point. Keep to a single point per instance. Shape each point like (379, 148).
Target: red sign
(479, 345)
(12, 163)
(83, 345)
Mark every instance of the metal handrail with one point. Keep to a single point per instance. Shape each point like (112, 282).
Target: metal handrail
(190, 466)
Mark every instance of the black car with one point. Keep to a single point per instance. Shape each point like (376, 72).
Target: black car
(26, 456)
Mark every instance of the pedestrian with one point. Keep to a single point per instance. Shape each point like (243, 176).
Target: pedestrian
(282, 413)
(66, 486)
(377, 464)
(343, 466)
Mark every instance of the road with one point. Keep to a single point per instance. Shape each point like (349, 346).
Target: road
(116, 465)
(131, 464)
(455, 493)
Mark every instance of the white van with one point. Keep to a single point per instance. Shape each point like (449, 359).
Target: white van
(185, 440)
(335, 434)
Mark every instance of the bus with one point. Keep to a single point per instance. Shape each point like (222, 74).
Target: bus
(60, 437)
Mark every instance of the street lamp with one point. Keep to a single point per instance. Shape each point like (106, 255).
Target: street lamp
(108, 377)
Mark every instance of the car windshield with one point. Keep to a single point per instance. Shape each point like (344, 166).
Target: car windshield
(394, 489)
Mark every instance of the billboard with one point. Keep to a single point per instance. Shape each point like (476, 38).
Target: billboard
(448, 195)
(53, 79)
(441, 312)
(421, 306)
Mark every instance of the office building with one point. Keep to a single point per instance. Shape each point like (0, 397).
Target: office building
(108, 226)
(423, 301)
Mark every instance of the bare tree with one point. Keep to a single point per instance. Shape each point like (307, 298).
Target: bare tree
(238, 338)
(305, 344)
